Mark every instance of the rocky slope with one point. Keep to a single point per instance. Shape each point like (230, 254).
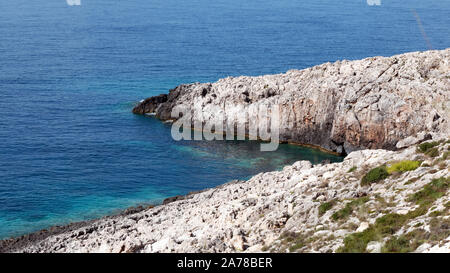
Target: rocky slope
(340, 207)
(343, 106)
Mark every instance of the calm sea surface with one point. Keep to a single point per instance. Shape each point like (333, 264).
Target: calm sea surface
(70, 149)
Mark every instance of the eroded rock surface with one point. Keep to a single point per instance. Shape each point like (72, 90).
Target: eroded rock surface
(342, 106)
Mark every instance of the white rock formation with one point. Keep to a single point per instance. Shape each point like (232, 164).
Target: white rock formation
(343, 106)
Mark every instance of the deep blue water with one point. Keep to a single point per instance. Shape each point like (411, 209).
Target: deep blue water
(69, 76)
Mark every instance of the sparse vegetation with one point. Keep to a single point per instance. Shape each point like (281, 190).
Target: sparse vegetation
(349, 207)
(297, 245)
(436, 213)
(413, 180)
(433, 152)
(416, 238)
(294, 240)
(406, 243)
(384, 226)
(431, 191)
(447, 205)
(403, 166)
(392, 222)
(352, 169)
(426, 146)
(375, 175)
(324, 207)
(397, 245)
(439, 229)
(445, 155)
(429, 148)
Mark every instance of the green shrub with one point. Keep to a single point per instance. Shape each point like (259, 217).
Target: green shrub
(349, 207)
(352, 169)
(343, 213)
(432, 191)
(439, 229)
(390, 223)
(406, 242)
(324, 207)
(385, 225)
(403, 166)
(424, 147)
(433, 152)
(293, 240)
(296, 245)
(397, 245)
(375, 175)
(357, 242)
(429, 148)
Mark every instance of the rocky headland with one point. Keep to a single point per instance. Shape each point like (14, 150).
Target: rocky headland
(343, 106)
(390, 194)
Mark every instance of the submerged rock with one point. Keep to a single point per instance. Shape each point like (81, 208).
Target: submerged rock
(149, 105)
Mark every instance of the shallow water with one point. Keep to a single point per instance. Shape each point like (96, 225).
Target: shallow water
(69, 76)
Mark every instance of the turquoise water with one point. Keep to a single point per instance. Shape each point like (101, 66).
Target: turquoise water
(70, 149)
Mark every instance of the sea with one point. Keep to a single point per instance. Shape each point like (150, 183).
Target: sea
(71, 72)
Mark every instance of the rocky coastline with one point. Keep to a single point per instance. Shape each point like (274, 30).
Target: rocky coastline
(350, 206)
(390, 194)
(344, 106)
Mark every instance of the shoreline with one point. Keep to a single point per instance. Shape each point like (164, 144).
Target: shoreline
(272, 211)
(13, 243)
(20, 241)
(290, 142)
(16, 242)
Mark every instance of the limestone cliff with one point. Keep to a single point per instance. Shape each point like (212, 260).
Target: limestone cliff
(342, 106)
